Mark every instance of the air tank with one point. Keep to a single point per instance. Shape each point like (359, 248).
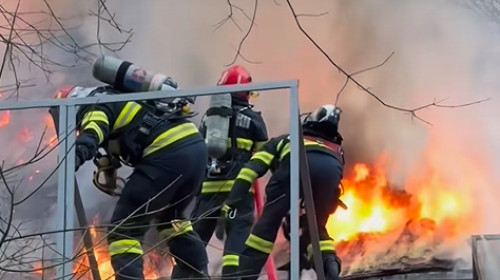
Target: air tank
(217, 125)
(126, 76)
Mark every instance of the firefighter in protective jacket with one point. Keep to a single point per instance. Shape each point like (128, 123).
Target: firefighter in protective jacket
(325, 157)
(168, 155)
(247, 134)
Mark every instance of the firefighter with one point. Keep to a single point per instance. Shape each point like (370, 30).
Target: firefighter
(247, 133)
(160, 145)
(325, 157)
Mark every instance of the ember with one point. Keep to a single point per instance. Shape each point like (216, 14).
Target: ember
(5, 119)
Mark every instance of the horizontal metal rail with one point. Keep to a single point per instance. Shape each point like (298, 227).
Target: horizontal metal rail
(150, 95)
(67, 122)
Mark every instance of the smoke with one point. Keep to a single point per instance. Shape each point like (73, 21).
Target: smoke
(442, 50)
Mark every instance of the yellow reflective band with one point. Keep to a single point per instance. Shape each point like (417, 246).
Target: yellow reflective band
(95, 127)
(217, 186)
(264, 156)
(241, 143)
(259, 145)
(230, 260)
(170, 136)
(95, 116)
(126, 115)
(125, 246)
(324, 246)
(280, 144)
(244, 144)
(307, 143)
(177, 228)
(248, 175)
(259, 244)
(226, 208)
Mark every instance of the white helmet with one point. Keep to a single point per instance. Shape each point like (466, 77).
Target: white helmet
(326, 114)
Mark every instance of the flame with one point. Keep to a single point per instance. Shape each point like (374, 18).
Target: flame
(82, 267)
(5, 119)
(375, 207)
(382, 219)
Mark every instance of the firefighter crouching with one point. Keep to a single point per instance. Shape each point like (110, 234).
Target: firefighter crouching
(246, 133)
(325, 158)
(159, 149)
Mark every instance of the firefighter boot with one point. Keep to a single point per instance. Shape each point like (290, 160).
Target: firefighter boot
(128, 266)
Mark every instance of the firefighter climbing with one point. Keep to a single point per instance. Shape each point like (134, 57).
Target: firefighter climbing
(325, 157)
(233, 132)
(167, 153)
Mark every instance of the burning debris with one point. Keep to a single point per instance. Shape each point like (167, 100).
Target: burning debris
(388, 228)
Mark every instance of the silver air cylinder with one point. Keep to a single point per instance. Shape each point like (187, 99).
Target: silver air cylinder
(126, 76)
(217, 124)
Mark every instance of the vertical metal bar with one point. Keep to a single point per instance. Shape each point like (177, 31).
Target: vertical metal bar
(69, 196)
(80, 212)
(87, 238)
(61, 192)
(295, 138)
(475, 274)
(305, 182)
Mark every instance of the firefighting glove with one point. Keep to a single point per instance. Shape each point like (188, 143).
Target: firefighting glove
(82, 154)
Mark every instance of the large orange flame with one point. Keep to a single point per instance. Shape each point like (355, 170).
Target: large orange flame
(375, 206)
(82, 267)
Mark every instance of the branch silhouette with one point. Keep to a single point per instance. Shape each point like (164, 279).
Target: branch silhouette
(238, 50)
(349, 77)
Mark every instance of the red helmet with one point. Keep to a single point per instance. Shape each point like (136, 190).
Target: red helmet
(63, 92)
(234, 76)
(73, 92)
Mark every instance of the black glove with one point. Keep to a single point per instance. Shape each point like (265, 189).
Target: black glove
(82, 154)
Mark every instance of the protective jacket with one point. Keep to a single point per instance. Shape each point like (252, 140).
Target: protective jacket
(116, 127)
(325, 159)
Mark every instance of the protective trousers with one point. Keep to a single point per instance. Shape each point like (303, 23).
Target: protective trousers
(155, 190)
(325, 173)
(205, 217)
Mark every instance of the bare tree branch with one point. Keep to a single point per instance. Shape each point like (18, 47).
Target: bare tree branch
(240, 45)
(349, 77)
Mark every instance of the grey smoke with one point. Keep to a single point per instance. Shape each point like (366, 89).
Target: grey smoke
(443, 50)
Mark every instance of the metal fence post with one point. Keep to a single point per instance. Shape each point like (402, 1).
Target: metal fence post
(294, 183)
(65, 190)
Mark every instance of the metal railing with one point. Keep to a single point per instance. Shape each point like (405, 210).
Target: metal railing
(66, 159)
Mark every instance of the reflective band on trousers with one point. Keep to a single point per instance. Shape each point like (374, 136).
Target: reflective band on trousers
(231, 260)
(126, 115)
(259, 244)
(248, 175)
(170, 136)
(324, 246)
(125, 246)
(95, 127)
(218, 186)
(177, 228)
